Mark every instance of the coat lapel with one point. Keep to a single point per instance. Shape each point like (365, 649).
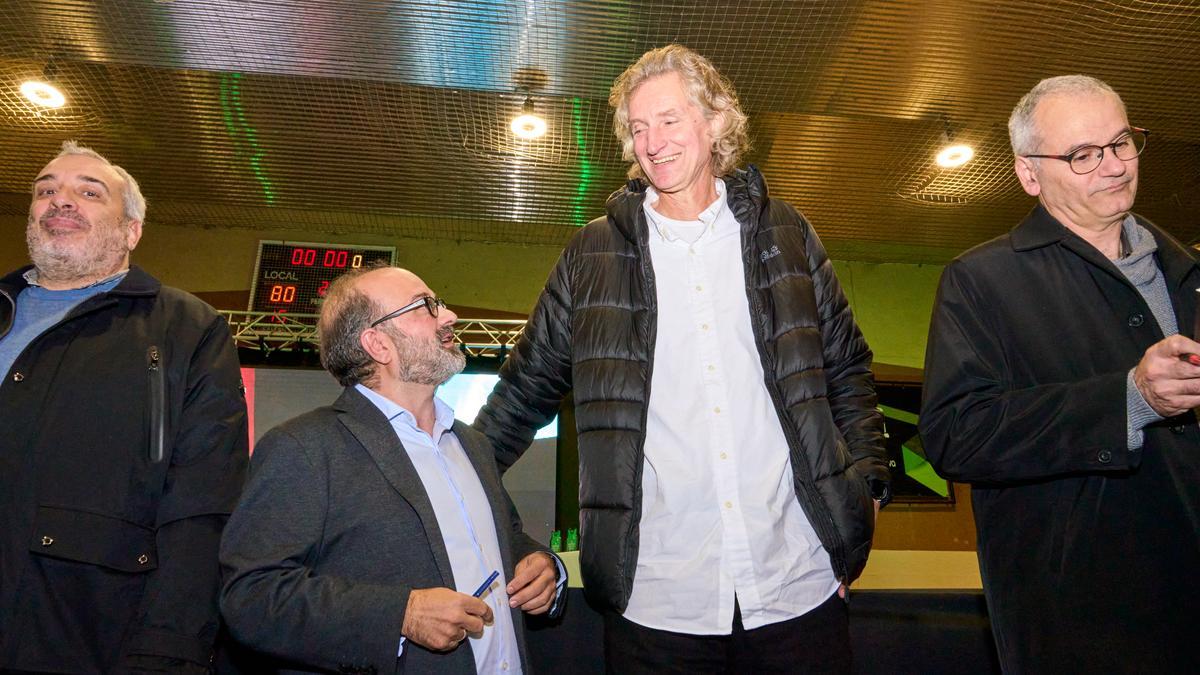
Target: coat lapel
(377, 437)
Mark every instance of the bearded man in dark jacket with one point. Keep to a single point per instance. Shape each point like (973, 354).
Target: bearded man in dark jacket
(124, 445)
(729, 444)
(1060, 381)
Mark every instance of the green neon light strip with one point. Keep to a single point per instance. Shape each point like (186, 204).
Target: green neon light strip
(916, 468)
(578, 216)
(242, 132)
(898, 414)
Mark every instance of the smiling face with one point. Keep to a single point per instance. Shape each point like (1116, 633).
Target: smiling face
(77, 231)
(424, 351)
(1091, 202)
(672, 140)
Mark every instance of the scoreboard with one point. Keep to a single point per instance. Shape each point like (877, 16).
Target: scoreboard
(291, 276)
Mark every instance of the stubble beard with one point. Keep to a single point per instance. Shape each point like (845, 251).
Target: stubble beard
(100, 252)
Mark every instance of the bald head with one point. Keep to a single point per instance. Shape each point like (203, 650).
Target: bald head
(420, 345)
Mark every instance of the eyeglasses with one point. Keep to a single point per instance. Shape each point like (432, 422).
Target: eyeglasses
(430, 303)
(1086, 159)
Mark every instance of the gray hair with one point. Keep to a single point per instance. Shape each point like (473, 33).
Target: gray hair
(707, 89)
(345, 314)
(1022, 131)
(135, 203)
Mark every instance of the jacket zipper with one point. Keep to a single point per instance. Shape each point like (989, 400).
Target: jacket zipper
(826, 529)
(651, 296)
(157, 405)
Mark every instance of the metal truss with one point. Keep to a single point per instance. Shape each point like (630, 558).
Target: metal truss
(271, 331)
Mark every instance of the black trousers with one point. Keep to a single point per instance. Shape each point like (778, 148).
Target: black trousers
(817, 642)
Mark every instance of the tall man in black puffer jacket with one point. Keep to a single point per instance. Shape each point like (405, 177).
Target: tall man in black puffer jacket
(730, 453)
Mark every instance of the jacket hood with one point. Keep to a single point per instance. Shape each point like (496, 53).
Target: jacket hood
(745, 191)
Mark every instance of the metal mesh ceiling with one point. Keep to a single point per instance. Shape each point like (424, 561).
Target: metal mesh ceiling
(391, 118)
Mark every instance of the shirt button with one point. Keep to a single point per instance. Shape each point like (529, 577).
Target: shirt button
(1177, 429)
(724, 456)
(18, 377)
(717, 410)
(47, 540)
(699, 288)
(711, 367)
(1104, 457)
(504, 665)
(1136, 320)
(703, 326)
(729, 505)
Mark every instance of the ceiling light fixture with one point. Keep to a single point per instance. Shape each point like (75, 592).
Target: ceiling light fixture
(528, 125)
(954, 156)
(43, 94)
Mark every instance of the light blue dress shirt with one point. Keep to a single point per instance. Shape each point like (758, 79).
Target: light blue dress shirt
(465, 519)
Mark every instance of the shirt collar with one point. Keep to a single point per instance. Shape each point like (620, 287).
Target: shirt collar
(443, 414)
(709, 217)
(31, 277)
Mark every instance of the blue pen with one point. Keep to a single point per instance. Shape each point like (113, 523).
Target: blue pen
(488, 582)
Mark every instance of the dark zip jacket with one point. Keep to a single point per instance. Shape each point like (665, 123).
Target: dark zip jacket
(123, 451)
(593, 331)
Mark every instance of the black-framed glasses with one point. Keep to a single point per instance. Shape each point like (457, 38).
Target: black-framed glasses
(1088, 158)
(430, 303)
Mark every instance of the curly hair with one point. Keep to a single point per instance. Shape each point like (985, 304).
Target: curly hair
(707, 89)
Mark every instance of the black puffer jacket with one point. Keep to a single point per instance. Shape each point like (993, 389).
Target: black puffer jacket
(593, 329)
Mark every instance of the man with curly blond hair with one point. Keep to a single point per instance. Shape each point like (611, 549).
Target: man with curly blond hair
(730, 454)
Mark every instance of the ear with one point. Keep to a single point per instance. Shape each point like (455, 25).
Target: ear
(134, 235)
(376, 345)
(1027, 173)
(715, 124)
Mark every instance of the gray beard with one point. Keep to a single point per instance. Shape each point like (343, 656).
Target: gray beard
(423, 362)
(64, 264)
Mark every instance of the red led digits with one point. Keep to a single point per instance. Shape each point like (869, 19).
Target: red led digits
(281, 293)
(304, 256)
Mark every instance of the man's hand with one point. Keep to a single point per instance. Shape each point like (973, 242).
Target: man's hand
(533, 585)
(440, 618)
(1165, 377)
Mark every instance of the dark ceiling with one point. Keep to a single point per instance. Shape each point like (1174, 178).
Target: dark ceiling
(391, 118)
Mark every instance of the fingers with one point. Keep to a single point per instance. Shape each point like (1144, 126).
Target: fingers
(441, 618)
(533, 586)
(842, 591)
(1167, 375)
(535, 603)
(527, 570)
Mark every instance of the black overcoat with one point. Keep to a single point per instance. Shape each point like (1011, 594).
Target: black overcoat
(123, 448)
(1089, 551)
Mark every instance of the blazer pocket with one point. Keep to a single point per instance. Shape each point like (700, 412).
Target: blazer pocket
(93, 538)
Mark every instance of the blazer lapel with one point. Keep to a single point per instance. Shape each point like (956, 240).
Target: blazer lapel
(368, 424)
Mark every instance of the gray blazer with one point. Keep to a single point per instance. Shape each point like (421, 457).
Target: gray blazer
(333, 532)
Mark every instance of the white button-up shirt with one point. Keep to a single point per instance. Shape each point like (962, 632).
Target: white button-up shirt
(465, 519)
(719, 512)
